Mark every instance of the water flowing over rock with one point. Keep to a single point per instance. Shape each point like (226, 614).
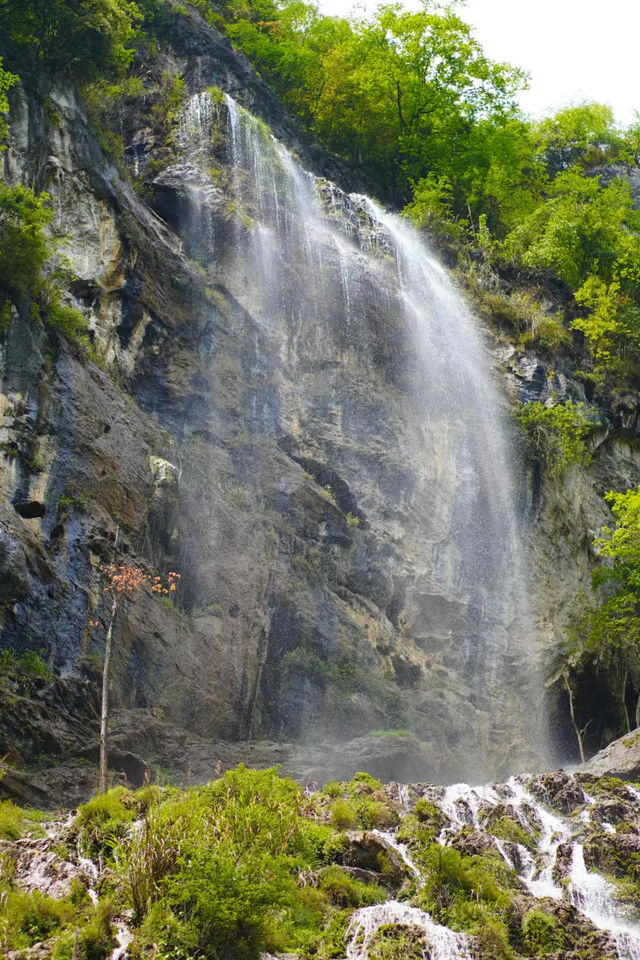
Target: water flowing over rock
(565, 898)
(439, 942)
(366, 347)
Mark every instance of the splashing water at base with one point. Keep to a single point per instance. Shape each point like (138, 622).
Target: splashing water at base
(442, 943)
(594, 897)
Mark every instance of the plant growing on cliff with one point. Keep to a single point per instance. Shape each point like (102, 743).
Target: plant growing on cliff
(121, 581)
(26, 252)
(7, 80)
(605, 629)
(555, 436)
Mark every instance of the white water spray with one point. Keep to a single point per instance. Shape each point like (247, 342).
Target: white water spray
(316, 267)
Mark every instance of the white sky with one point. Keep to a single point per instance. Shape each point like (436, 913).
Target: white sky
(574, 49)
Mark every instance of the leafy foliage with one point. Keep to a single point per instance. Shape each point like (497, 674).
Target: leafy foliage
(555, 436)
(7, 80)
(26, 249)
(604, 631)
(396, 96)
(580, 230)
(81, 38)
(232, 868)
(24, 245)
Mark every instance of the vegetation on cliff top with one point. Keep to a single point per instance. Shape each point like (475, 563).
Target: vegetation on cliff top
(410, 100)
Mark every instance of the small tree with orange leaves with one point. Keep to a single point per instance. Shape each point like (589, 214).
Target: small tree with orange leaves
(121, 581)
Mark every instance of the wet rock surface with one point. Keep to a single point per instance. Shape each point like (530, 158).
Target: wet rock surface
(560, 893)
(292, 494)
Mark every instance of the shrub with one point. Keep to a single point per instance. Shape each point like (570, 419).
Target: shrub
(332, 789)
(24, 245)
(363, 782)
(214, 871)
(344, 890)
(541, 933)
(25, 250)
(31, 917)
(429, 814)
(103, 819)
(343, 815)
(555, 436)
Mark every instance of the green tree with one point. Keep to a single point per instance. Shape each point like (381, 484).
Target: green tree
(396, 95)
(26, 250)
(82, 38)
(584, 134)
(25, 246)
(7, 80)
(580, 230)
(612, 325)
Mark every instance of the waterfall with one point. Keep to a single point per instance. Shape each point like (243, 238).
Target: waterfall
(544, 873)
(592, 894)
(442, 943)
(329, 276)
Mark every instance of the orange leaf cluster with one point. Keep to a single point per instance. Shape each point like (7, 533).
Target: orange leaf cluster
(166, 587)
(123, 578)
(126, 579)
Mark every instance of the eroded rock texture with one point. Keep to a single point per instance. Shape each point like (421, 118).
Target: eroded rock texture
(284, 472)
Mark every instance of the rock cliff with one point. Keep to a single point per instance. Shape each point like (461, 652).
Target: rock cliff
(282, 473)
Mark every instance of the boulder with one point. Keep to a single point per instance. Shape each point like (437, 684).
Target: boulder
(619, 759)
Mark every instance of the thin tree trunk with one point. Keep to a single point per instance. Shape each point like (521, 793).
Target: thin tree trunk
(103, 785)
(624, 701)
(573, 717)
(103, 777)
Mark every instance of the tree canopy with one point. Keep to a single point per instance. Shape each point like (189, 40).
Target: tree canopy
(81, 38)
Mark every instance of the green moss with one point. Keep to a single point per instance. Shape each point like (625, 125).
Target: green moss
(429, 813)
(398, 941)
(505, 828)
(391, 733)
(542, 933)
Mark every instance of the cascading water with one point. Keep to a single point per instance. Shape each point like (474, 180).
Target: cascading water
(586, 889)
(328, 275)
(442, 943)
(551, 868)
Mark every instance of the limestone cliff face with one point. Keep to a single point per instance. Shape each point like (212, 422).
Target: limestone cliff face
(284, 474)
